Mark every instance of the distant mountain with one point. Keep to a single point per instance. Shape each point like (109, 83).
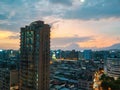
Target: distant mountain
(114, 46)
(72, 46)
(77, 47)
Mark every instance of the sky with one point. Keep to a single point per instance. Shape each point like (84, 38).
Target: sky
(75, 24)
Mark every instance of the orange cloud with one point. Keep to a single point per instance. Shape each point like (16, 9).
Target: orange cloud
(6, 42)
(100, 42)
(103, 32)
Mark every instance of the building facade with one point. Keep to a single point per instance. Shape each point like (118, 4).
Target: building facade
(85, 85)
(35, 56)
(8, 79)
(87, 54)
(112, 67)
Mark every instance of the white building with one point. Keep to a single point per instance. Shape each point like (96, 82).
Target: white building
(112, 67)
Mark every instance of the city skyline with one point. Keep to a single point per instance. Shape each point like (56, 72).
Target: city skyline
(76, 24)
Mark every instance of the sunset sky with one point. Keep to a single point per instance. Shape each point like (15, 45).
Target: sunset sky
(75, 24)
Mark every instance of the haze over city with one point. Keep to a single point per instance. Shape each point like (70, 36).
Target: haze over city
(75, 24)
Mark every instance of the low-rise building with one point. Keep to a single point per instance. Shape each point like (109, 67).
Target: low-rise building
(85, 84)
(8, 79)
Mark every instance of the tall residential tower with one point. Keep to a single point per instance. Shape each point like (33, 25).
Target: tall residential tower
(35, 56)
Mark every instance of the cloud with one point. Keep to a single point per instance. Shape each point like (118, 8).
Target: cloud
(72, 46)
(63, 2)
(18, 13)
(75, 46)
(114, 46)
(14, 37)
(68, 43)
(8, 40)
(3, 17)
(63, 41)
(94, 9)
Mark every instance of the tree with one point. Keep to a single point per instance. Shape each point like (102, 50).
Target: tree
(109, 82)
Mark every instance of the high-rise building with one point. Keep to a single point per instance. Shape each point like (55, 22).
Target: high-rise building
(87, 54)
(35, 56)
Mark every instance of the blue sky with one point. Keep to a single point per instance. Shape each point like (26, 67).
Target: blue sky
(81, 23)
